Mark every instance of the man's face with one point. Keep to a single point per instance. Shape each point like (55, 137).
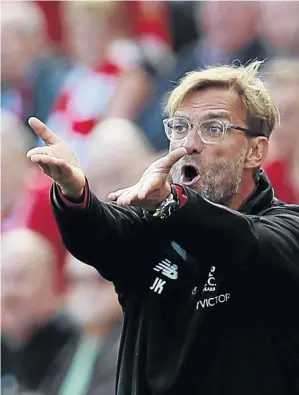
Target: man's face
(25, 287)
(220, 20)
(280, 24)
(85, 27)
(215, 171)
(14, 172)
(85, 286)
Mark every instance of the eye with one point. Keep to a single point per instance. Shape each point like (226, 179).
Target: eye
(212, 128)
(180, 128)
(179, 125)
(215, 129)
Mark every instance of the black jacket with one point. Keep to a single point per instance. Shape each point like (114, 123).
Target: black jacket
(218, 315)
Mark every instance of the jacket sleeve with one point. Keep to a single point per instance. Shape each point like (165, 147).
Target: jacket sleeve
(117, 241)
(211, 231)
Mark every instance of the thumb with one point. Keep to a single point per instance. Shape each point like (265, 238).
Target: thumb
(43, 132)
(169, 160)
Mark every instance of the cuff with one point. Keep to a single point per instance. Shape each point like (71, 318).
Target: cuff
(80, 203)
(180, 194)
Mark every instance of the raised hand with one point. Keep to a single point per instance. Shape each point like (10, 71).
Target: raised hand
(57, 160)
(153, 187)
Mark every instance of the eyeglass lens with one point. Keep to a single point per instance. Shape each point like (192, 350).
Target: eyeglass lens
(178, 128)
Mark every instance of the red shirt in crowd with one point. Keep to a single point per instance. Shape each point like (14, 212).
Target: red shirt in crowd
(280, 178)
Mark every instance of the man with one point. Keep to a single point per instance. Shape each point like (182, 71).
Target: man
(31, 72)
(25, 199)
(98, 348)
(15, 142)
(279, 28)
(205, 265)
(38, 342)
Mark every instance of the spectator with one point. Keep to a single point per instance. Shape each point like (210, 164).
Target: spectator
(38, 341)
(31, 72)
(53, 22)
(91, 84)
(25, 190)
(282, 164)
(98, 348)
(218, 21)
(138, 83)
(279, 27)
(15, 172)
(151, 26)
(116, 54)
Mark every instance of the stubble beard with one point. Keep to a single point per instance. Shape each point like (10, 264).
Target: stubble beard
(218, 183)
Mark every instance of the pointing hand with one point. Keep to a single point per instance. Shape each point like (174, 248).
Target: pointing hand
(57, 160)
(153, 187)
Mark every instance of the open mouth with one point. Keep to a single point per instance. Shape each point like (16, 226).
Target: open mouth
(189, 175)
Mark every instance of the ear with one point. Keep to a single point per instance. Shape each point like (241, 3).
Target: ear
(257, 152)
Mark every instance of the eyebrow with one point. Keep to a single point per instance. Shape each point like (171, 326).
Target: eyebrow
(208, 115)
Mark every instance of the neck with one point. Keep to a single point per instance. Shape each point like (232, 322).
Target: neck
(244, 191)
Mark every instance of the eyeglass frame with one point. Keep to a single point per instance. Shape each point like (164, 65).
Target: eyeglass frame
(226, 126)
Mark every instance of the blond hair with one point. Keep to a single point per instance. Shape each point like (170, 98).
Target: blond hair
(262, 113)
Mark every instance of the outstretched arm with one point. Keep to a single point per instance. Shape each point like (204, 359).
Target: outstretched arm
(116, 240)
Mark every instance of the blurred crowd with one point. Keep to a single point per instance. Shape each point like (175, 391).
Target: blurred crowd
(98, 73)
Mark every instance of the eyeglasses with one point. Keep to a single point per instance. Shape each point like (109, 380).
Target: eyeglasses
(211, 131)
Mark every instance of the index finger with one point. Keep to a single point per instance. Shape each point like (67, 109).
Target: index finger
(169, 160)
(43, 131)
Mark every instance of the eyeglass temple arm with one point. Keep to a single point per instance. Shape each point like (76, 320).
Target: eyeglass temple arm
(239, 128)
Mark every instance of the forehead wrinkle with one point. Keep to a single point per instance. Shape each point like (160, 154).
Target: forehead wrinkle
(199, 103)
(211, 114)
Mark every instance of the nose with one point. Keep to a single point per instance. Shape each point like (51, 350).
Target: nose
(193, 143)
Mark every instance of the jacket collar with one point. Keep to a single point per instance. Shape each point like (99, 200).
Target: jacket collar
(261, 198)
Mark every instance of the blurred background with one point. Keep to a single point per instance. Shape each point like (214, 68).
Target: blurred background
(98, 73)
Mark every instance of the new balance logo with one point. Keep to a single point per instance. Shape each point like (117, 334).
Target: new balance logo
(158, 285)
(167, 269)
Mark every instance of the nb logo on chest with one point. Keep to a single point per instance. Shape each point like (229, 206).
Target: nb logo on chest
(167, 269)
